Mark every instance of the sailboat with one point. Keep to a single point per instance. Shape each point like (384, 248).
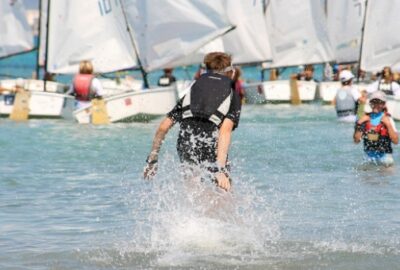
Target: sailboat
(130, 34)
(381, 46)
(248, 43)
(17, 38)
(298, 37)
(16, 35)
(344, 23)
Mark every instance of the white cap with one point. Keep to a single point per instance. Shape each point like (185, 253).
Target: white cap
(19, 82)
(378, 95)
(346, 75)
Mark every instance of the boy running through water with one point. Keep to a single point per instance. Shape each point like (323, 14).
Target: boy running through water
(207, 115)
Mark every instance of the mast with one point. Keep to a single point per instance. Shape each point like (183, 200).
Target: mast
(47, 43)
(38, 46)
(362, 41)
(144, 73)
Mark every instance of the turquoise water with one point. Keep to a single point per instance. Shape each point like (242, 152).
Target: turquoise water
(72, 197)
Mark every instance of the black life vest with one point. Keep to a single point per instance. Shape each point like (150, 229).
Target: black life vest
(376, 138)
(166, 80)
(385, 87)
(209, 98)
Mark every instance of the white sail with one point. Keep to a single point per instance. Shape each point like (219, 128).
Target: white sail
(166, 31)
(345, 19)
(15, 33)
(298, 32)
(381, 44)
(247, 43)
(197, 57)
(88, 30)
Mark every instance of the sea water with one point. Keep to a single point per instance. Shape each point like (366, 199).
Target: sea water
(73, 197)
(24, 66)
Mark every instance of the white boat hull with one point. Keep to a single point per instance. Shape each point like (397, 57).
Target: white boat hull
(130, 106)
(254, 93)
(328, 90)
(307, 90)
(112, 87)
(41, 105)
(393, 105)
(279, 91)
(36, 85)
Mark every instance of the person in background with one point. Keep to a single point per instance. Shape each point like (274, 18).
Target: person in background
(274, 74)
(396, 77)
(307, 74)
(19, 87)
(85, 86)
(336, 72)
(375, 76)
(238, 84)
(378, 131)
(328, 72)
(385, 84)
(348, 98)
(362, 76)
(207, 114)
(167, 78)
(48, 76)
(200, 71)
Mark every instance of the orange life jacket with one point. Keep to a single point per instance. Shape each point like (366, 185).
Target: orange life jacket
(380, 129)
(82, 83)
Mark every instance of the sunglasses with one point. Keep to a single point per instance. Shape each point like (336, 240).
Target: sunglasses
(376, 102)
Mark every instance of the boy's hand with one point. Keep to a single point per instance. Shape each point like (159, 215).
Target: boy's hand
(223, 181)
(386, 121)
(150, 170)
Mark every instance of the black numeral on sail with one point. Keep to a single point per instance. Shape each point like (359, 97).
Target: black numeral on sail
(105, 7)
(357, 4)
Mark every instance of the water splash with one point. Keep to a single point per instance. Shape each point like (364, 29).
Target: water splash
(184, 217)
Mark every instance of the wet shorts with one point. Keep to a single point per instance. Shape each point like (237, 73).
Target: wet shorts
(380, 158)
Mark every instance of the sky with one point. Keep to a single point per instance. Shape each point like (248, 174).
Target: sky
(31, 4)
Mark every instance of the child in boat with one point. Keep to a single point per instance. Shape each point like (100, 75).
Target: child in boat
(85, 86)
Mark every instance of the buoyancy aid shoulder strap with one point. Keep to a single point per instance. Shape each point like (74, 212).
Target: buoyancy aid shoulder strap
(209, 98)
(379, 128)
(222, 110)
(186, 112)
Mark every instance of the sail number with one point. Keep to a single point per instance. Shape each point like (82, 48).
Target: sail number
(105, 7)
(358, 5)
